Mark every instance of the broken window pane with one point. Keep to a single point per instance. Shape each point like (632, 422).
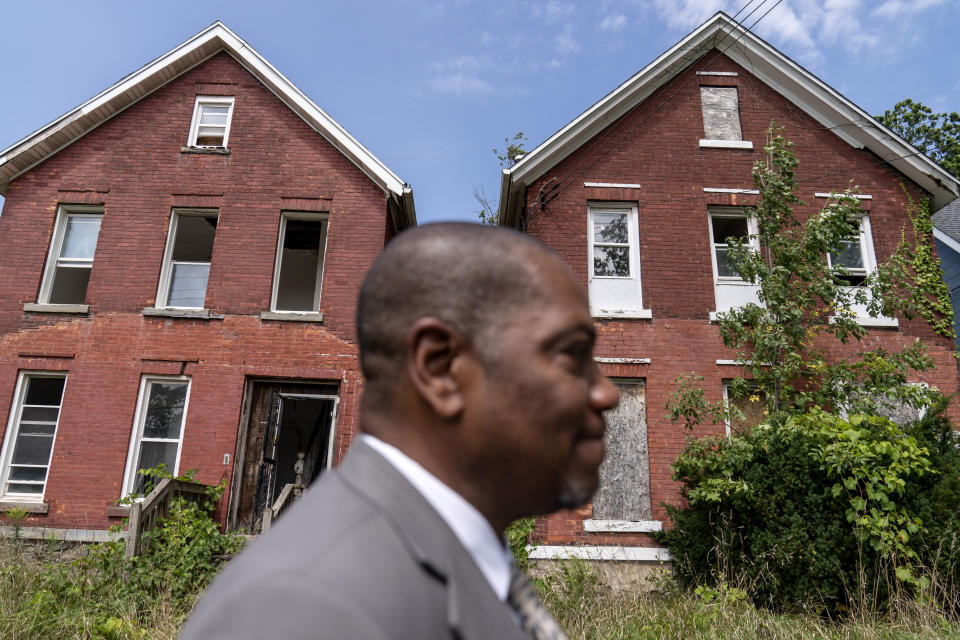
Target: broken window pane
(624, 492)
(189, 269)
(723, 227)
(71, 270)
(70, 285)
(721, 113)
(301, 265)
(37, 412)
(44, 391)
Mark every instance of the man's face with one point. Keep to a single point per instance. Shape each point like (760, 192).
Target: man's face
(537, 415)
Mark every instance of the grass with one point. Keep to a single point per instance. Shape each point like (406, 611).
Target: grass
(48, 591)
(589, 611)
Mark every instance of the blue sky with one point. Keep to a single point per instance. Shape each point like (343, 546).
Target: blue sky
(430, 86)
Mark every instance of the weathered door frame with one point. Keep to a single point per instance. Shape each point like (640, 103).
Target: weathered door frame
(243, 429)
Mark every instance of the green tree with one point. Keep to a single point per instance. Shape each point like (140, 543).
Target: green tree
(818, 502)
(936, 134)
(512, 152)
(807, 303)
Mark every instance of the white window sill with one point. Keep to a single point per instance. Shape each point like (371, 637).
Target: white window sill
(56, 308)
(292, 316)
(200, 314)
(725, 144)
(616, 554)
(867, 321)
(626, 526)
(7, 504)
(644, 314)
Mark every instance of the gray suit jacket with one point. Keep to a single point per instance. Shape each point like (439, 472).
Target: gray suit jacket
(361, 555)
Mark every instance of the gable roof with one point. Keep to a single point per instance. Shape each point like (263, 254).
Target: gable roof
(68, 128)
(947, 221)
(796, 84)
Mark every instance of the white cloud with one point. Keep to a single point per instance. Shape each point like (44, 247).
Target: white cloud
(564, 45)
(555, 11)
(461, 85)
(615, 22)
(893, 8)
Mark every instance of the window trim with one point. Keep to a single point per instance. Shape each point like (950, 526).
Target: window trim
(633, 229)
(13, 431)
(195, 120)
(865, 236)
(166, 268)
(752, 238)
(139, 420)
(633, 237)
(64, 213)
(285, 216)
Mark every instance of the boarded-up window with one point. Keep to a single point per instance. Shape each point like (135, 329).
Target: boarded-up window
(752, 406)
(721, 113)
(624, 492)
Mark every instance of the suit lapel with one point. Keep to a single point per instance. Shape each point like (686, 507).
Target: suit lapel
(473, 609)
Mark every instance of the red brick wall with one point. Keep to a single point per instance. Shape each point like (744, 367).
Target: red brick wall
(132, 165)
(656, 146)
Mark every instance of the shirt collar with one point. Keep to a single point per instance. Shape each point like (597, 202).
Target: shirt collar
(473, 531)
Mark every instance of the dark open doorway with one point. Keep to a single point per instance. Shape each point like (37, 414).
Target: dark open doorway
(287, 422)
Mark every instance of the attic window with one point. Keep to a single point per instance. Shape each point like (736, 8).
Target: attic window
(210, 126)
(721, 119)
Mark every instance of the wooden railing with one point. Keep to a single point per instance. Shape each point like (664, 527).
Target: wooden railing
(145, 514)
(290, 492)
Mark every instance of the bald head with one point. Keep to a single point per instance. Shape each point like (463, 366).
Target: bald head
(470, 276)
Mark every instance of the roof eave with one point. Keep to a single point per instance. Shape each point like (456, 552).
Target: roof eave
(43, 143)
(816, 98)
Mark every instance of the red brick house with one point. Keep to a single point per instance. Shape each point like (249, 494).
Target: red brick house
(181, 257)
(638, 193)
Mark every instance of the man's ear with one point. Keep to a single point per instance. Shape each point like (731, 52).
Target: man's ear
(434, 351)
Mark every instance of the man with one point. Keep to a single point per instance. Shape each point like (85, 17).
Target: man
(482, 404)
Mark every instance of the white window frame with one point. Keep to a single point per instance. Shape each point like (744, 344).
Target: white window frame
(13, 431)
(166, 270)
(752, 238)
(218, 101)
(865, 236)
(600, 309)
(140, 417)
(318, 286)
(54, 259)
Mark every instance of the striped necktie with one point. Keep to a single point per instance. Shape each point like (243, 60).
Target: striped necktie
(534, 617)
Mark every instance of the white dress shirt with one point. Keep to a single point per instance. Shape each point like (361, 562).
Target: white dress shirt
(487, 549)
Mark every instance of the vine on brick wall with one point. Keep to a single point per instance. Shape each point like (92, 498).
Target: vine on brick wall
(930, 295)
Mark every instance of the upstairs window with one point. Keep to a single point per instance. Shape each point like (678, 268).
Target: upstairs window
(157, 429)
(298, 272)
(614, 257)
(186, 263)
(726, 224)
(853, 258)
(210, 127)
(29, 443)
(71, 256)
(729, 288)
(721, 118)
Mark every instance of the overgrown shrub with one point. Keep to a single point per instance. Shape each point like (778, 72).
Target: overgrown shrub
(101, 594)
(816, 511)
